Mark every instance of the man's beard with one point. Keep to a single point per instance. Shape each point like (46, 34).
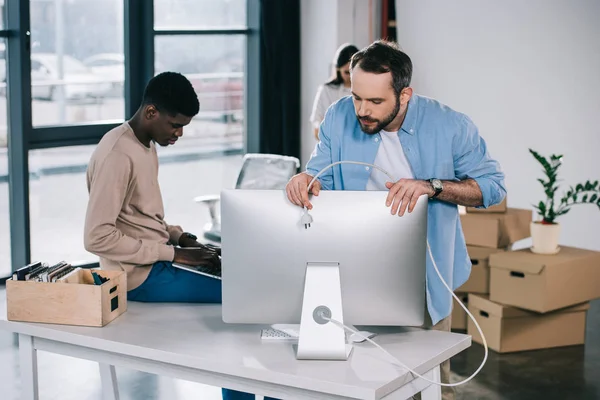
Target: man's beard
(380, 124)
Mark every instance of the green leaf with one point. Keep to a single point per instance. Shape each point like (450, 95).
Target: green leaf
(593, 198)
(542, 207)
(542, 160)
(584, 199)
(595, 185)
(575, 197)
(588, 185)
(579, 187)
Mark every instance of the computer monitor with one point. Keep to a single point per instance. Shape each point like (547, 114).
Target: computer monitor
(356, 259)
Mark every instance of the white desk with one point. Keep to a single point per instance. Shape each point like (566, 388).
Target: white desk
(189, 341)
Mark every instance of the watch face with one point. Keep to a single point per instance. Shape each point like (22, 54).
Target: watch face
(437, 184)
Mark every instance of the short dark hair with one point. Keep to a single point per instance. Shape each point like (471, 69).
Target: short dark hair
(381, 57)
(173, 93)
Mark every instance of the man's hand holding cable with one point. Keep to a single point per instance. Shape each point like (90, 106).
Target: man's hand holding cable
(405, 193)
(297, 189)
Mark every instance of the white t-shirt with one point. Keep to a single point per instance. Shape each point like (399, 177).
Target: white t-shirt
(326, 96)
(390, 156)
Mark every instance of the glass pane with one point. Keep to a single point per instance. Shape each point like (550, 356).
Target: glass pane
(57, 203)
(77, 61)
(58, 196)
(5, 267)
(216, 70)
(199, 14)
(178, 192)
(217, 74)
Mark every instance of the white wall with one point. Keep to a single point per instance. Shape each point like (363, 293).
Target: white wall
(528, 74)
(325, 25)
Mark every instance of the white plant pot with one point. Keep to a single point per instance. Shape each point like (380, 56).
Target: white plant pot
(545, 238)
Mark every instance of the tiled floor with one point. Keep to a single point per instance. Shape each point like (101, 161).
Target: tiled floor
(565, 373)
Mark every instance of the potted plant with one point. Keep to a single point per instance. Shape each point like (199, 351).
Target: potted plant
(545, 232)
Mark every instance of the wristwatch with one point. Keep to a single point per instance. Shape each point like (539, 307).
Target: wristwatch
(437, 185)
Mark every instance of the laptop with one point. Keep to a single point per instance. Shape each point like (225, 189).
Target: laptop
(210, 272)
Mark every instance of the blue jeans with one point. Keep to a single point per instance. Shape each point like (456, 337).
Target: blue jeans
(173, 285)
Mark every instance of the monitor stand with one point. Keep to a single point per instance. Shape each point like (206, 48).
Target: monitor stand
(320, 339)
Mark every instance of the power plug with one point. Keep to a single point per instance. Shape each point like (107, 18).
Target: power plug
(306, 219)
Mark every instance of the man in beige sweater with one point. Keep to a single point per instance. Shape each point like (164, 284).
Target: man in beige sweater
(125, 223)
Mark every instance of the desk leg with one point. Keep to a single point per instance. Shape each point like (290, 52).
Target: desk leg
(433, 392)
(28, 367)
(108, 376)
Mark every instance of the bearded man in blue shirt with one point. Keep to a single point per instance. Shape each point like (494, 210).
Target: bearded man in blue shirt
(431, 149)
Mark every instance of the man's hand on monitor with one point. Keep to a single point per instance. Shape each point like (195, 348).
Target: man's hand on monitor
(297, 189)
(197, 256)
(405, 193)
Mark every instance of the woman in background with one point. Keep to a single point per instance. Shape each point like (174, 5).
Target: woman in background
(336, 88)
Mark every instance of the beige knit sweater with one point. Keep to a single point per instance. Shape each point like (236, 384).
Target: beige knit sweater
(125, 224)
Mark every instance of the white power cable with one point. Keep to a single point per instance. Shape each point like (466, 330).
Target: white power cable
(398, 362)
(349, 162)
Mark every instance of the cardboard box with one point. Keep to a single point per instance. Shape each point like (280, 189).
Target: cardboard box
(509, 329)
(78, 302)
(459, 316)
(496, 230)
(479, 280)
(545, 283)
(498, 208)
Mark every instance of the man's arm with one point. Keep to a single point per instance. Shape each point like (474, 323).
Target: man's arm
(175, 232)
(108, 188)
(481, 181)
(465, 193)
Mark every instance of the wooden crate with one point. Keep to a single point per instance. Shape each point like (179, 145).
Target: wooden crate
(75, 302)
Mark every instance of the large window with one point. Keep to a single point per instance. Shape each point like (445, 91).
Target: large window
(77, 61)
(77, 69)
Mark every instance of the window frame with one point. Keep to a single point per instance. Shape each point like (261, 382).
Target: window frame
(139, 35)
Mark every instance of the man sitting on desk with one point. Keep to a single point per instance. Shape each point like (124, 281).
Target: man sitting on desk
(431, 150)
(125, 223)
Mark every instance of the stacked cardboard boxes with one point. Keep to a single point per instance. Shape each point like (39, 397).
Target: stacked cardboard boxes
(487, 232)
(522, 300)
(536, 301)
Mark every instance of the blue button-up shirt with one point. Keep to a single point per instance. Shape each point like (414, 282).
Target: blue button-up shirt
(438, 143)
